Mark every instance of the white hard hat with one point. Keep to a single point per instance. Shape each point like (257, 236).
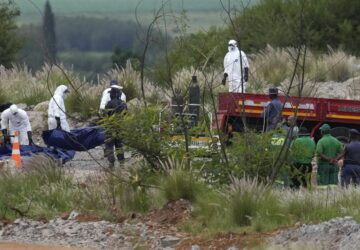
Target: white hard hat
(232, 42)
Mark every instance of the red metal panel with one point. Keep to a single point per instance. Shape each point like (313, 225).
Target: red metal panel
(309, 108)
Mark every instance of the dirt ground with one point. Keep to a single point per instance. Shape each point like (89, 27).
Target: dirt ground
(226, 240)
(21, 246)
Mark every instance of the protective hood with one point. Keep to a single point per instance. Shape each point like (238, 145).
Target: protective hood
(232, 45)
(60, 90)
(14, 109)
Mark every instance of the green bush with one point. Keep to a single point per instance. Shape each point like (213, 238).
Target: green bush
(252, 155)
(138, 128)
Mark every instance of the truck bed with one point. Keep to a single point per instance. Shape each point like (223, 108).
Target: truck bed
(310, 111)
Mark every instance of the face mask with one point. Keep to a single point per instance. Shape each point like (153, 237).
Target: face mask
(231, 47)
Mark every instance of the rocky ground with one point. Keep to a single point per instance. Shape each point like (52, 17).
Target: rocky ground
(156, 230)
(338, 233)
(89, 235)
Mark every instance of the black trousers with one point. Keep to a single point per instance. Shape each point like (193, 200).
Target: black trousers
(350, 173)
(113, 146)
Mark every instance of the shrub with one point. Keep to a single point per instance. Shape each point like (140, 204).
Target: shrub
(178, 182)
(252, 155)
(136, 129)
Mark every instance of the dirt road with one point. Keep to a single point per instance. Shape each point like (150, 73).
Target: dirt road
(22, 246)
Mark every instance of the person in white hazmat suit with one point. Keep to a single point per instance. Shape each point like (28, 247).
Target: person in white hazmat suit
(16, 119)
(232, 68)
(56, 111)
(105, 97)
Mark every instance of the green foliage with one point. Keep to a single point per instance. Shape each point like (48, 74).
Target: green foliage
(135, 200)
(9, 41)
(209, 214)
(43, 191)
(247, 198)
(120, 57)
(179, 184)
(252, 155)
(136, 129)
(88, 64)
(112, 197)
(276, 22)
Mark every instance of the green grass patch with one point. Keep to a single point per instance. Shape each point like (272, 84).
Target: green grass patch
(43, 191)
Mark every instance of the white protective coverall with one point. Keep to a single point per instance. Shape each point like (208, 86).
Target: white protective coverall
(232, 68)
(105, 97)
(14, 119)
(57, 109)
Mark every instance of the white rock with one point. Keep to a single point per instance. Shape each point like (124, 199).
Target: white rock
(195, 247)
(169, 241)
(73, 215)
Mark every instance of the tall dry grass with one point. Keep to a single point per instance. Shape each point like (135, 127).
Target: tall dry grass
(275, 67)
(268, 67)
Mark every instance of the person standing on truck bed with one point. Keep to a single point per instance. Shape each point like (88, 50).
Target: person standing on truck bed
(328, 150)
(351, 169)
(272, 112)
(236, 68)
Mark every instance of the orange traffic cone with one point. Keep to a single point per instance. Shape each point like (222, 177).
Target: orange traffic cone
(15, 155)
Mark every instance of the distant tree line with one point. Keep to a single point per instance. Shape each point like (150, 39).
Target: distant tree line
(277, 23)
(78, 34)
(325, 22)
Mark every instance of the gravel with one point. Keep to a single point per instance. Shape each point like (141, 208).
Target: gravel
(87, 235)
(339, 233)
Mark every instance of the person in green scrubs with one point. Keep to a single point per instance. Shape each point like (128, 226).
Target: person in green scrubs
(303, 150)
(328, 149)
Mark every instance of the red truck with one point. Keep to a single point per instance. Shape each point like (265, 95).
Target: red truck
(311, 113)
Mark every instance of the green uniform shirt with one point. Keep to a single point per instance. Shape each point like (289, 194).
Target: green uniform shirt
(303, 150)
(328, 146)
